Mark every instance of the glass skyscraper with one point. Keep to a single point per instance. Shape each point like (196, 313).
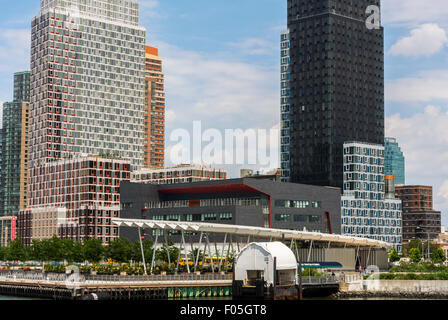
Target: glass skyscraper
(336, 85)
(87, 81)
(394, 160)
(14, 144)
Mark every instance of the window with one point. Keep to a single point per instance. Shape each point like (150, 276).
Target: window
(282, 217)
(126, 205)
(301, 218)
(316, 204)
(225, 216)
(209, 217)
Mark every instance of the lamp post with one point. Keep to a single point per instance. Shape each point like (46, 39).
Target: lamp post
(421, 236)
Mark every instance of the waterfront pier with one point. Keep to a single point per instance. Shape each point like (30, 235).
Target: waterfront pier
(133, 287)
(102, 287)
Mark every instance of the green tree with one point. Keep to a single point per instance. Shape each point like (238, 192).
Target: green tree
(93, 250)
(415, 255)
(419, 244)
(119, 250)
(78, 252)
(438, 256)
(68, 249)
(16, 251)
(37, 251)
(162, 253)
(2, 253)
(147, 250)
(394, 256)
(52, 249)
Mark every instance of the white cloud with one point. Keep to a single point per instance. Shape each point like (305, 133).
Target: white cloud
(15, 47)
(148, 8)
(414, 12)
(151, 4)
(426, 86)
(170, 115)
(221, 93)
(424, 40)
(423, 138)
(255, 46)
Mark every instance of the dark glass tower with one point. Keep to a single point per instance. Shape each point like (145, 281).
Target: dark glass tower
(337, 85)
(14, 146)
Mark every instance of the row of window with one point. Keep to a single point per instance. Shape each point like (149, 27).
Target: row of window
(284, 217)
(370, 204)
(371, 222)
(301, 204)
(204, 217)
(217, 202)
(371, 213)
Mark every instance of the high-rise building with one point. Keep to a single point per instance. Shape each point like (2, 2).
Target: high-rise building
(87, 101)
(87, 81)
(420, 220)
(336, 85)
(366, 211)
(13, 175)
(1, 164)
(284, 107)
(394, 160)
(154, 110)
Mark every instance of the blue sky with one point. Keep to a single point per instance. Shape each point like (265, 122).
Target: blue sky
(221, 62)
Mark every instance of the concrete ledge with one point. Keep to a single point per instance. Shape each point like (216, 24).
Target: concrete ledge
(436, 287)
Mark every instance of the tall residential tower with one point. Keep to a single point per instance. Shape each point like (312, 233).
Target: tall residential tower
(336, 85)
(87, 81)
(154, 110)
(86, 114)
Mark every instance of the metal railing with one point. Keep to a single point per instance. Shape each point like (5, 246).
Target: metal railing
(89, 278)
(351, 277)
(62, 277)
(320, 280)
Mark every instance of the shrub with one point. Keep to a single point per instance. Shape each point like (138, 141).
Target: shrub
(85, 269)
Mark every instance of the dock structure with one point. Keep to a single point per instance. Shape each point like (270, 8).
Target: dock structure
(132, 287)
(67, 287)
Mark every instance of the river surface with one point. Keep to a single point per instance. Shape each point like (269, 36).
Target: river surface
(15, 298)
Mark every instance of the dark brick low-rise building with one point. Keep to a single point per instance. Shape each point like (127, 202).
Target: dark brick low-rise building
(421, 225)
(420, 221)
(246, 201)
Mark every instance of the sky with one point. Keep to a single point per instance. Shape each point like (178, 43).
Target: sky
(222, 67)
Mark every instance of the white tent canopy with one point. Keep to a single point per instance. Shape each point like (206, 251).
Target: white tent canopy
(267, 233)
(285, 257)
(257, 260)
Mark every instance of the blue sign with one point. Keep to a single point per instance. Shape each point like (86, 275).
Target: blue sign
(322, 265)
